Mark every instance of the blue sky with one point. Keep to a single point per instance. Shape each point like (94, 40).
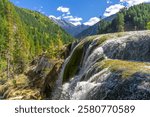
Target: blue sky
(77, 11)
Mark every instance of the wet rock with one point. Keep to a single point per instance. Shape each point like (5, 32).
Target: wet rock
(116, 68)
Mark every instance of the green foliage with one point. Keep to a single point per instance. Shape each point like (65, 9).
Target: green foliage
(148, 26)
(134, 18)
(52, 51)
(104, 27)
(25, 34)
(120, 24)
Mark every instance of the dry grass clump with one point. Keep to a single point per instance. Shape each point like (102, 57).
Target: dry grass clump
(24, 94)
(18, 81)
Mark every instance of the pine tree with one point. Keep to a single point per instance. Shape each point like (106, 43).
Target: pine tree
(38, 49)
(120, 22)
(10, 41)
(52, 50)
(103, 27)
(59, 41)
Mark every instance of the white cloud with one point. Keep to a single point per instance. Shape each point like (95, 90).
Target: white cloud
(63, 9)
(68, 13)
(75, 19)
(68, 17)
(92, 21)
(113, 9)
(54, 17)
(76, 23)
(133, 2)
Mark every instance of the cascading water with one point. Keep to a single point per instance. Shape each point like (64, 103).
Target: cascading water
(106, 70)
(75, 88)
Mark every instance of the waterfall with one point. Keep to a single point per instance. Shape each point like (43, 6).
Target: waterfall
(75, 88)
(60, 88)
(105, 70)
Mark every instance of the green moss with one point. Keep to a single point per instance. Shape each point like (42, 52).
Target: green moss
(72, 66)
(120, 34)
(127, 68)
(103, 39)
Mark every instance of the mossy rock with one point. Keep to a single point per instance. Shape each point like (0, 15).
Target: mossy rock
(50, 80)
(127, 68)
(73, 66)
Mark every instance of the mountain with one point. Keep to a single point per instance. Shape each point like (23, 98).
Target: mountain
(69, 27)
(25, 34)
(128, 19)
(93, 30)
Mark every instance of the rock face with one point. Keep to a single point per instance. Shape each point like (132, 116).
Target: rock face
(112, 66)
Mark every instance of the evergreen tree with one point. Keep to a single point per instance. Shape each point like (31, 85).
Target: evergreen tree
(59, 41)
(120, 22)
(9, 38)
(103, 26)
(52, 50)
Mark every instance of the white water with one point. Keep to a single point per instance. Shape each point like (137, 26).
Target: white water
(75, 88)
(82, 89)
(90, 76)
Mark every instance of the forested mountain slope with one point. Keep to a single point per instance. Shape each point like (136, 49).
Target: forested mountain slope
(128, 19)
(25, 34)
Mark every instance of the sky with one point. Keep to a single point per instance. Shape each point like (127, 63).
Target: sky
(77, 12)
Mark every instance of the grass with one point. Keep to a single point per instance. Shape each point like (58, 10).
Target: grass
(25, 94)
(18, 88)
(103, 39)
(128, 68)
(18, 81)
